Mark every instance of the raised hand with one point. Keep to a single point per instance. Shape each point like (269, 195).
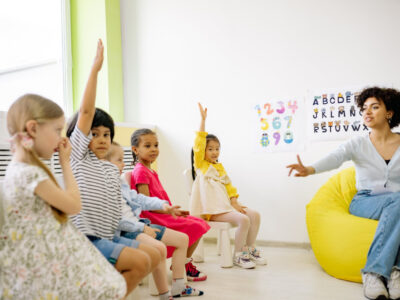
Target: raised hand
(203, 112)
(302, 171)
(98, 60)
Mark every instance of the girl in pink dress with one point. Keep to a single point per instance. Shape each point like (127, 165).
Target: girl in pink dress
(145, 180)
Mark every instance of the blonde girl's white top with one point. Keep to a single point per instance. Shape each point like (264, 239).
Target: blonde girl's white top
(212, 188)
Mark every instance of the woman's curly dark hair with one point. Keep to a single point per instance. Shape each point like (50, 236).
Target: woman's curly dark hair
(389, 97)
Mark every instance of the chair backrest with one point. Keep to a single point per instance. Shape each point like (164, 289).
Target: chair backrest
(187, 174)
(1, 206)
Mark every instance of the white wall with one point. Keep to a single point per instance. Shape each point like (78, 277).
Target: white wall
(231, 54)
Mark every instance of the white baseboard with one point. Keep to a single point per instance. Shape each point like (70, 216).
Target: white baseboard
(264, 243)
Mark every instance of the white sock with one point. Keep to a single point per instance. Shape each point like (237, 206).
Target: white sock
(164, 296)
(188, 259)
(178, 285)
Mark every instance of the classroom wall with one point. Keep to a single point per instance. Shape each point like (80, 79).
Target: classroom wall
(231, 54)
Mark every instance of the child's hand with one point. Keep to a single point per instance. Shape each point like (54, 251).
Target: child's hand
(171, 210)
(181, 213)
(239, 208)
(151, 231)
(64, 150)
(203, 112)
(302, 171)
(98, 60)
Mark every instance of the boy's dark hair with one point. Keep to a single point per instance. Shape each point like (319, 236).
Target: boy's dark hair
(135, 140)
(100, 118)
(209, 137)
(389, 97)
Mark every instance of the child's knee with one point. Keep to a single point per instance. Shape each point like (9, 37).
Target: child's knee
(244, 221)
(162, 249)
(183, 240)
(154, 254)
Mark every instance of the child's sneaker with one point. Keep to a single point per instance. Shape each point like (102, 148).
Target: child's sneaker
(193, 274)
(189, 291)
(256, 257)
(242, 259)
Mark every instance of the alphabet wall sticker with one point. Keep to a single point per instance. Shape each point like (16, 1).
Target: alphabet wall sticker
(334, 115)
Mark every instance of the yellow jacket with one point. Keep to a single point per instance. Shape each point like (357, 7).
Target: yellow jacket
(199, 150)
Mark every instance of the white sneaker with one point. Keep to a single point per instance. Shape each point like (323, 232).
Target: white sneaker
(256, 257)
(242, 259)
(374, 288)
(394, 285)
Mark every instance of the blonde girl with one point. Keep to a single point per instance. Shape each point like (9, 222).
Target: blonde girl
(42, 255)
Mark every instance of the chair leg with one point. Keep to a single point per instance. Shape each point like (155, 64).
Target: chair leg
(226, 251)
(198, 255)
(219, 241)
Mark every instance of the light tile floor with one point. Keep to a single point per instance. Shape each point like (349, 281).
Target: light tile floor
(291, 274)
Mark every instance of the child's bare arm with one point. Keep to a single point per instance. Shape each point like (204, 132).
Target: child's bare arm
(68, 200)
(88, 108)
(203, 114)
(143, 189)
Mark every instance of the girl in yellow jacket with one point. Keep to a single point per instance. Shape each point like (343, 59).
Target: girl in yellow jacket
(214, 198)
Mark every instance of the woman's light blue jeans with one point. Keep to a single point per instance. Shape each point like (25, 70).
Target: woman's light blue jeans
(383, 254)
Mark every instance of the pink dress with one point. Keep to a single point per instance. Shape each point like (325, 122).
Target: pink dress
(194, 227)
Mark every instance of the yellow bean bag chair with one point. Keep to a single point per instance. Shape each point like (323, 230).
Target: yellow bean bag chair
(340, 241)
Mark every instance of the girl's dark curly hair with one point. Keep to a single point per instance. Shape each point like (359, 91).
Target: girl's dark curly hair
(209, 137)
(389, 97)
(135, 140)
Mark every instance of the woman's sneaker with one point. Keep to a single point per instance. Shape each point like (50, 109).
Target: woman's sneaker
(193, 274)
(242, 259)
(373, 286)
(189, 291)
(394, 284)
(256, 257)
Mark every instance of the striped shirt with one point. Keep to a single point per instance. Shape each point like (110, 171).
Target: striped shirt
(100, 189)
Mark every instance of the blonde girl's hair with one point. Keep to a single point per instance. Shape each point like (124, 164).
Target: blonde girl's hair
(34, 107)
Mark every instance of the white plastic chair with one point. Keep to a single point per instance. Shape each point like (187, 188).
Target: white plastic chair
(223, 242)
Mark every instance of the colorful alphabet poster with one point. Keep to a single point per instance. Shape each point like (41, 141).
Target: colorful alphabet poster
(334, 115)
(277, 125)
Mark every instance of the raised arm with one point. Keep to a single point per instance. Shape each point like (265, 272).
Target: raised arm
(203, 114)
(68, 200)
(88, 108)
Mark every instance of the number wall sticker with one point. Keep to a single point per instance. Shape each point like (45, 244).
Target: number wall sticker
(277, 121)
